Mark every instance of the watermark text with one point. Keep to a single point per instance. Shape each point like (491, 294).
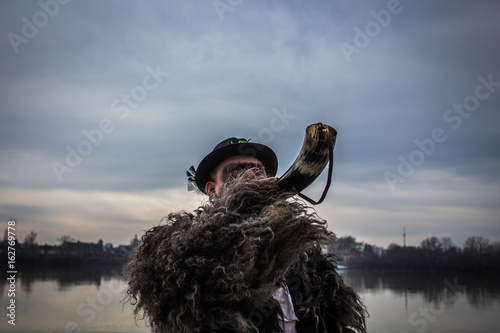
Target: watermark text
(453, 117)
(11, 271)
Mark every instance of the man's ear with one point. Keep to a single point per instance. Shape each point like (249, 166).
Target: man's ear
(210, 188)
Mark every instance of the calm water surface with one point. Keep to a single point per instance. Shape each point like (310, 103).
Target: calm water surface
(90, 300)
(431, 303)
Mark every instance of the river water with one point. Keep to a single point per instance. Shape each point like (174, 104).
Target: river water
(91, 300)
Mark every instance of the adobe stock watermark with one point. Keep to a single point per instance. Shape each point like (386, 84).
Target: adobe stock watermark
(363, 37)
(420, 319)
(95, 136)
(277, 123)
(222, 6)
(454, 117)
(11, 273)
(88, 310)
(31, 27)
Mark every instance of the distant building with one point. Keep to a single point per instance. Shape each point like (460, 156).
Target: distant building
(81, 249)
(129, 250)
(49, 250)
(134, 242)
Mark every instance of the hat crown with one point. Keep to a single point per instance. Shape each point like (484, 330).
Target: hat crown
(231, 147)
(230, 141)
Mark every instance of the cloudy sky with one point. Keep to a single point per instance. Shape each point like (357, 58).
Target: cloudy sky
(105, 104)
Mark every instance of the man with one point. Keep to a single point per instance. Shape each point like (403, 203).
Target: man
(229, 158)
(247, 261)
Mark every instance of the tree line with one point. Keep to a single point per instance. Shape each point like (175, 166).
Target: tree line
(68, 247)
(477, 254)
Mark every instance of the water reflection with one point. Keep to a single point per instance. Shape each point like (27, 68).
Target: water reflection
(480, 290)
(74, 298)
(67, 276)
(89, 298)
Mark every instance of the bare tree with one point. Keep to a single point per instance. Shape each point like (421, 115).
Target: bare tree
(30, 245)
(30, 239)
(432, 249)
(431, 244)
(476, 245)
(447, 244)
(65, 238)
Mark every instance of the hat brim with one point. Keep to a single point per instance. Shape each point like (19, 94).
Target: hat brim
(261, 152)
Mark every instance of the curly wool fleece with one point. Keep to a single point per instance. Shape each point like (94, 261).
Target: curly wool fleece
(214, 270)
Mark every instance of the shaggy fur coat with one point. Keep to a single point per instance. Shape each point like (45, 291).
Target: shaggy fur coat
(216, 270)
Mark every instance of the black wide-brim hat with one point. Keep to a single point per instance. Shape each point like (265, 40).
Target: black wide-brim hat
(234, 147)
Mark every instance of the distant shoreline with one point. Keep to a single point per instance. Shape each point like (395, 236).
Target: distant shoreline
(27, 262)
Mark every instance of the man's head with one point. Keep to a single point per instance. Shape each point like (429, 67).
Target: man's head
(230, 158)
(232, 168)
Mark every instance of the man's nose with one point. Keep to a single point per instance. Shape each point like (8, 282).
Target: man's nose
(250, 174)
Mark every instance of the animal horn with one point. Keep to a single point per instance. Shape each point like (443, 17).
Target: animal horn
(315, 154)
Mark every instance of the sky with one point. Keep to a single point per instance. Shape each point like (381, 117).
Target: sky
(105, 104)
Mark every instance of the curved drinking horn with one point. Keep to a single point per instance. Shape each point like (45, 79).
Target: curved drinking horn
(315, 154)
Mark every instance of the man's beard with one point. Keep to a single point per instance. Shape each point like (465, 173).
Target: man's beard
(249, 196)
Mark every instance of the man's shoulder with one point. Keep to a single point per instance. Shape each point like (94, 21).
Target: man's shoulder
(173, 222)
